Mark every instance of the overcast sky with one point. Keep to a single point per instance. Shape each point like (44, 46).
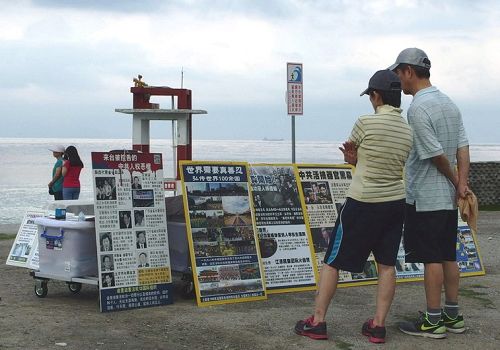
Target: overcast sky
(66, 65)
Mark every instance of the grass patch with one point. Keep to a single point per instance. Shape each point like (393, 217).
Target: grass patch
(469, 292)
(7, 236)
(340, 344)
(490, 207)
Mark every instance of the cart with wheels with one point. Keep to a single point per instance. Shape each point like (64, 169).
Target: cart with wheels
(67, 252)
(74, 283)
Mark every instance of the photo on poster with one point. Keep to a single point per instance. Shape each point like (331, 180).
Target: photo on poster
(107, 262)
(321, 238)
(143, 198)
(206, 249)
(317, 192)
(229, 273)
(249, 271)
(237, 233)
(274, 187)
(233, 189)
(203, 189)
(141, 241)
(105, 242)
(205, 202)
(136, 182)
(139, 220)
(105, 188)
(215, 218)
(208, 274)
(200, 234)
(142, 260)
(236, 211)
(268, 247)
(125, 219)
(107, 280)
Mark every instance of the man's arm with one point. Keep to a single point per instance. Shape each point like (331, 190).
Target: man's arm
(458, 180)
(444, 167)
(463, 163)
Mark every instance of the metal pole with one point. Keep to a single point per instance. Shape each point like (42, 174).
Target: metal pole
(293, 139)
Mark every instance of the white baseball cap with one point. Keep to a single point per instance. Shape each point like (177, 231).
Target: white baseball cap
(57, 148)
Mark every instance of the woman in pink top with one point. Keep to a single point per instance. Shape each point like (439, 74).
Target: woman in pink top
(72, 167)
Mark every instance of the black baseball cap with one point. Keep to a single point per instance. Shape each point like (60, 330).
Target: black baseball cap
(384, 80)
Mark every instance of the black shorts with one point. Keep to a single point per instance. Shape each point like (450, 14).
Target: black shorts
(430, 236)
(362, 228)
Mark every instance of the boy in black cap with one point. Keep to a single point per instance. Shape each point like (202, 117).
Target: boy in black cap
(371, 219)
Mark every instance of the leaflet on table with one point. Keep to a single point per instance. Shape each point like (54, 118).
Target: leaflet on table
(131, 229)
(324, 188)
(284, 240)
(221, 233)
(24, 251)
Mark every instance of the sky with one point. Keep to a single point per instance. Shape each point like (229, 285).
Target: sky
(66, 65)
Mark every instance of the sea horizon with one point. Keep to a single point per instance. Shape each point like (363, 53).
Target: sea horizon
(27, 162)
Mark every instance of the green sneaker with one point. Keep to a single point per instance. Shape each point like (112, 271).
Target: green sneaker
(453, 325)
(423, 328)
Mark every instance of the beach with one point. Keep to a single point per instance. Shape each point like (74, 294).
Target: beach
(29, 322)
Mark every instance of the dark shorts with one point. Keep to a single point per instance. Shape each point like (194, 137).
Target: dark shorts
(430, 236)
(362, 228)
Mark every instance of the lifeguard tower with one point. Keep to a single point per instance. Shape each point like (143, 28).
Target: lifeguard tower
(180, 114)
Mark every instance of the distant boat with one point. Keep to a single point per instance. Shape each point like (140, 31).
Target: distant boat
(271, 139)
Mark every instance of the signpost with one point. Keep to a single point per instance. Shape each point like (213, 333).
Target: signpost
(295, 96)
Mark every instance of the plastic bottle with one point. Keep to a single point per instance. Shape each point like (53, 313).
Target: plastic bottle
(81, 216)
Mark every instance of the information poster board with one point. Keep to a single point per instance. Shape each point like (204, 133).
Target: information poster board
(24, 251)
(131, 229)
(324, 189)
(284, 240)
(221, 232)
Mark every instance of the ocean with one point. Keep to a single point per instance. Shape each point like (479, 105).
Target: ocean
(26, 163)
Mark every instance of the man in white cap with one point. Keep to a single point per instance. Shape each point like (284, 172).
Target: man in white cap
(55, 185)
(432, 189)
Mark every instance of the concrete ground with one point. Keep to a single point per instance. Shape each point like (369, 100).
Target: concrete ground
(63, 320)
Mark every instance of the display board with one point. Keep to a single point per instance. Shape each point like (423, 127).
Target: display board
(221, 232)
(284, 240)
(131, 230)
(24, 251)
(325, 181)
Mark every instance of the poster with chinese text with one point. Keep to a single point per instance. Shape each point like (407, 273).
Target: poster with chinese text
(284, 240)
(131, 229)
(24, 251)
(221, 232)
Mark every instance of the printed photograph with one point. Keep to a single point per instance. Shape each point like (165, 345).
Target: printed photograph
(236, 211)
(205, 203)
(143, 198)
(139, 218)
(249, 271)
(105, 188)
(125, 219)
(105, 242)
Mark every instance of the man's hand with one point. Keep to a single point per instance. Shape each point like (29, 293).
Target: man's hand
(350, 152)
(462, 190)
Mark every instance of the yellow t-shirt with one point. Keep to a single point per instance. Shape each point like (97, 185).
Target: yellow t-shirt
(383, 142)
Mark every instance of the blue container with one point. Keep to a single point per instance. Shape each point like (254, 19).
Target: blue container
(60, 214)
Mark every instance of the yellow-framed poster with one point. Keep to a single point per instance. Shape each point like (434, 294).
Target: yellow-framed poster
(221, 232)
(284, 239)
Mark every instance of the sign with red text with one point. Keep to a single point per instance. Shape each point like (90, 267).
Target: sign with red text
(131, 230)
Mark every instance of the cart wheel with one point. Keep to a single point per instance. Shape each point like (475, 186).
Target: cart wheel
(74, 287)
(41, 289)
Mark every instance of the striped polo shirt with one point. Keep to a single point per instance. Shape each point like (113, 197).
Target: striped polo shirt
(437, 128)
(383, 141)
